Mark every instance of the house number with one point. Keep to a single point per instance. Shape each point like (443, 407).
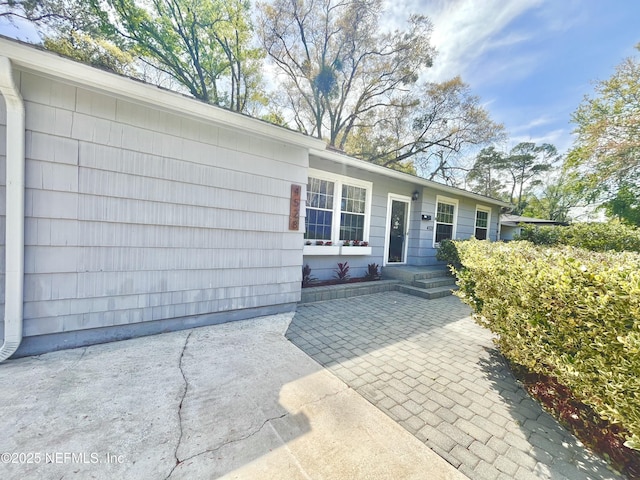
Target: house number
(294, 208)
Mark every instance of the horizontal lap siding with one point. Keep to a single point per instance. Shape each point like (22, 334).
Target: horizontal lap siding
(467, 219)
(323, 267)
(135, 214)
(420, 248)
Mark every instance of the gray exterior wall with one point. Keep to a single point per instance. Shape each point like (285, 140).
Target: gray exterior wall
(420, 248)
(424, 253)
(323, 266)
(3, 206)
(140, 216)
(508, 232)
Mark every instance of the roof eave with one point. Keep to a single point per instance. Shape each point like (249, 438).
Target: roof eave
(379, 169)
(35, 60)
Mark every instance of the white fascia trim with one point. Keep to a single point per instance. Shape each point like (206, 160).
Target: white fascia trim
(14, 226)
(336, 177)
(387, 172)
(49, 64)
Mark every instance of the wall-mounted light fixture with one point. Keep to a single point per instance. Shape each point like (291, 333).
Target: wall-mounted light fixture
(426, 217)
(415, 195)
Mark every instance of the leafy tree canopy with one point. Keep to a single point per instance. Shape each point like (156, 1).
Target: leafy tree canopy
(203, 45)
(336, 65)
(341, 76)
(437, 122)
(512, 175)
(606, 154)
(345, 80)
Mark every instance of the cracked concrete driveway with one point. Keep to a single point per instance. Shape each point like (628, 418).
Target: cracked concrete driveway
(233, 401)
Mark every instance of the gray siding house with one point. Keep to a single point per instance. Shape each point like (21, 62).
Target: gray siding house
(511, 225)
(401, 218)
(129, 210)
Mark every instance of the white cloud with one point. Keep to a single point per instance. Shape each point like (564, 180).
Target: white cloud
(465, 31)
(536, 122)
(559, 137)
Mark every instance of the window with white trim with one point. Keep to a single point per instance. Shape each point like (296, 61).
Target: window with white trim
(319, 219)
(483, 220)
(445, 223)
(333, 218)
(352, 212)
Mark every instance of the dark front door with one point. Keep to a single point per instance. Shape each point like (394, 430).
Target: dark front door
(398, 231)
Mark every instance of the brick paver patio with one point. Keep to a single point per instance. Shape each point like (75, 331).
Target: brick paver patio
(427, 365)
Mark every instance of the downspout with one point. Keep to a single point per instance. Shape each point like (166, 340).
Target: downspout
(14, 231)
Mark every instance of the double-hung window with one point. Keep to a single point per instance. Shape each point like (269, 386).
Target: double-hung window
(483, 218)
(337, 208)
(352, 212)
(319, 209)
(445, 224)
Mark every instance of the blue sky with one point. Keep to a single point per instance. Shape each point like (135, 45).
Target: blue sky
(530, 61)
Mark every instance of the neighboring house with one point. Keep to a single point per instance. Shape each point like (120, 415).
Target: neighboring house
(146, 211)
(511, 225)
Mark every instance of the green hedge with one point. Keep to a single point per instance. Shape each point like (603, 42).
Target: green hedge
(598, 237)
(447, 252)
(565, 312)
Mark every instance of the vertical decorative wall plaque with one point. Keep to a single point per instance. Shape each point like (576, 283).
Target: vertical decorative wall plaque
(294, 207)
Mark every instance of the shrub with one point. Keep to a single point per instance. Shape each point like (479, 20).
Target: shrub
(307, 279)
(342, 272)
(540, 235)
(373, 272)
(563, 312)
(447, 252)
(597, 237)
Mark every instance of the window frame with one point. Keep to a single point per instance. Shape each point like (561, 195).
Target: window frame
(339, 181)
(487, 210)
(456, 206)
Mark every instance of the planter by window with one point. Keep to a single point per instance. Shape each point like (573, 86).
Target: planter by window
(321, 250)
(348, 250)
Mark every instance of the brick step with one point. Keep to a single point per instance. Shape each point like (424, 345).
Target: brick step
(443, 272)
(409, 274)
(332, 292)
(428, 293)
(435, 282)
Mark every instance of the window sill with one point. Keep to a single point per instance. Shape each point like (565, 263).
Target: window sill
(355, 250)
(317, 250)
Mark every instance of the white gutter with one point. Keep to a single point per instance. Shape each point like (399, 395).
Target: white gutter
(14, 231)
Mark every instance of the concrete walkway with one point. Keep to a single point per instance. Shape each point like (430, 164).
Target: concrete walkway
(228, 401)
(427, 365)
